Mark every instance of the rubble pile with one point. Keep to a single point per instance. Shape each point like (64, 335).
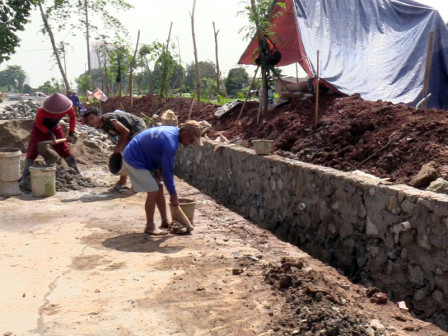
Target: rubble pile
(68, 179)
(22, 110)
(94, 138)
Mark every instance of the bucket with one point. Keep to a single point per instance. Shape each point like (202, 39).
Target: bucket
(9, 164)
(9, 188)
(263, 147)
(187, 206)
(116, 164)
(43, 180)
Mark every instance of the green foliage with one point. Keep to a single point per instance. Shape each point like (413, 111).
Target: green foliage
(207, 70)
(62, 12)
(260, 18)
(13, 77)
(14, 15)
(50, 87)
(236, 80)
(165, 66)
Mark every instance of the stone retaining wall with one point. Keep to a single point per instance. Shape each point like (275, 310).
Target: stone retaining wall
(393, 237)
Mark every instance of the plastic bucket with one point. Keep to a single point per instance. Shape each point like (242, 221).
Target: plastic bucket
(43, 180)
(9, 188)
(116, 166)
(263, 147)
(187, 206)
(9, 164)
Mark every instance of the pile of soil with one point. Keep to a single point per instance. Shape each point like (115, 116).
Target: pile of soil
(380, 138)
(16, 134)
(317, 303)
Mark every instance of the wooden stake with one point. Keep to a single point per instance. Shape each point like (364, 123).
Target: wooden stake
(428, 68)
(198, 74)
(218, 73)
(316, 114)
(191, 107)
(247, 96)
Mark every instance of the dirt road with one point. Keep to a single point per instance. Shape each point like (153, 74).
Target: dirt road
(77, 264)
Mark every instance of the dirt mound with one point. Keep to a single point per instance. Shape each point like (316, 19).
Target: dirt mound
(384, 139)
(318, 303)
(16, 134)
(151, 104)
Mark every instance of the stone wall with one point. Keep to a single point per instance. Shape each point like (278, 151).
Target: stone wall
(393, 237)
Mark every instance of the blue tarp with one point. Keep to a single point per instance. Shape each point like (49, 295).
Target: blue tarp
(377, 48)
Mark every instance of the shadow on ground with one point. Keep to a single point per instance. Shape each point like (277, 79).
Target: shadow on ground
(140, 242)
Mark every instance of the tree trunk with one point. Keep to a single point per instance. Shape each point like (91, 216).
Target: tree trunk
(131, 68)
(101, 69)
(262, 50)
(218, 74)
(53, 44)
(198, 74)
(89, 66)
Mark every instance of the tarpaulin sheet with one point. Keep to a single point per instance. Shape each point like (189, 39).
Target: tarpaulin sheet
(377, 48)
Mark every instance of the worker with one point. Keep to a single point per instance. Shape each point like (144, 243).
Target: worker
(120, 124)
(153, 151)
(46, 127)
(76, 103)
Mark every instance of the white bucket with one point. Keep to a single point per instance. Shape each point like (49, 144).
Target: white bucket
(43, 180)
(9, 164)
(263, 147)
(9, 188)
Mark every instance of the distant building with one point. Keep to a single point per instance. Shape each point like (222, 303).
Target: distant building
(98, 50)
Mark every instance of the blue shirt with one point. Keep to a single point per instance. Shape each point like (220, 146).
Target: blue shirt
(154, 149)
(74, 99)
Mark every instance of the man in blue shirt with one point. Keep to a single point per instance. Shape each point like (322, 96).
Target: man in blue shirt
(152, 152)
(75, 100)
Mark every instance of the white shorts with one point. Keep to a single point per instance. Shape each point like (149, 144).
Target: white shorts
(142, 179)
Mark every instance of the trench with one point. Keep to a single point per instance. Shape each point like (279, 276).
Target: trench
(393, 237)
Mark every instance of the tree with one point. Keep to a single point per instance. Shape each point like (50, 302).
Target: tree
(50, 87)
(12, 77)
(259, 13)
(236, 80)
(60, 12)
(14, 15)
(206, 69)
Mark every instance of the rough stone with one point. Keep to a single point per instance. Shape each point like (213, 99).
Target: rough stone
(425, 176)
(415, 275)
(439, 185)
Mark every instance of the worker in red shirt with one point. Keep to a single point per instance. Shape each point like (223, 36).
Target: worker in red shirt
(46, 127)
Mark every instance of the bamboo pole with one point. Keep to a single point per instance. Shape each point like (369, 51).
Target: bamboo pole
(428, 68)
(164, 82)
(316, 113)
(247, 96)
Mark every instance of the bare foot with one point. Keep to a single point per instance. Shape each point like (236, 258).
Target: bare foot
(150, 229)
(165, 224)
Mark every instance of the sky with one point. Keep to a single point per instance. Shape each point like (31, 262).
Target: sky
(153, 19)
